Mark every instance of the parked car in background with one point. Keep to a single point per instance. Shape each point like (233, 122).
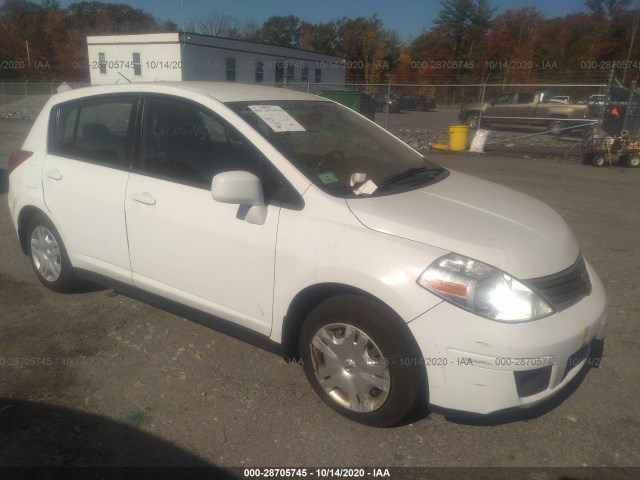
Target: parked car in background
(386, 102)
(292, 222)
(413, 101)
(528, 108)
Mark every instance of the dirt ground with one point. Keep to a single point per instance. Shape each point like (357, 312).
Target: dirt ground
(96, 378)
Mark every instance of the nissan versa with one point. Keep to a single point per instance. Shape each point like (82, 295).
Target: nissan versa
(298, 225)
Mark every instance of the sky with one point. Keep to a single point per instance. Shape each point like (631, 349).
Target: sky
(407, 17)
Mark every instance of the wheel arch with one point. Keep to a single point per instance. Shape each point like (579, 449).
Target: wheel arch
(305, 301)
(24, 217)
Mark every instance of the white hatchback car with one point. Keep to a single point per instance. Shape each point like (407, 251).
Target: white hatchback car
(293, 223)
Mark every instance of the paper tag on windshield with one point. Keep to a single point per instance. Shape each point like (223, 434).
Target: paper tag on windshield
(277, 118)
(327, 177)
(357, 178)
(367, 188)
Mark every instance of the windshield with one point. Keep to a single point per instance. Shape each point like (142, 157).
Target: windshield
(340, 152)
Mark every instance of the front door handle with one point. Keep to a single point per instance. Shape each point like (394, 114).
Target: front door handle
(53, 174)
(145, 198)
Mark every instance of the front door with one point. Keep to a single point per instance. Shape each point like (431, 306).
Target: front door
(184, 245)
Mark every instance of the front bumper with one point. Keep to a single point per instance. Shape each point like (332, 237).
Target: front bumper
(482, 366)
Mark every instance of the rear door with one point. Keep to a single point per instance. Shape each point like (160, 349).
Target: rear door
(85, 177)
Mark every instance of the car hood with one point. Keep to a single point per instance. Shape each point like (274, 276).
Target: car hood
(482, 220)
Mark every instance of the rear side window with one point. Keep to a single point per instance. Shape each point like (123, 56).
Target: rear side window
(94, 130)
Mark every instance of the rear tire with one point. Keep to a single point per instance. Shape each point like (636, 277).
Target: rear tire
(362, 360)
(48, 255)
(599, 161)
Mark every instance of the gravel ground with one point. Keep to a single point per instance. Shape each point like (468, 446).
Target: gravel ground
(96, 378)
(23, 108)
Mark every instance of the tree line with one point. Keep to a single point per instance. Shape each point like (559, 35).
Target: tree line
(468, 41)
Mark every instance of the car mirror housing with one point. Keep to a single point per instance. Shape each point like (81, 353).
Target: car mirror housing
(237, 187)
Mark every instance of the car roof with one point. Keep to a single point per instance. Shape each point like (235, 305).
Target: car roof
(222, 91)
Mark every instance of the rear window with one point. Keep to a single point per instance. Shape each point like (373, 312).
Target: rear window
(95, 130)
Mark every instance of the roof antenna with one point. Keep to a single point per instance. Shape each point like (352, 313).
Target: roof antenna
(124, 77)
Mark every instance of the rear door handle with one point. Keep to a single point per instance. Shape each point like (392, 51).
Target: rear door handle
(145, 198)
(53, 174)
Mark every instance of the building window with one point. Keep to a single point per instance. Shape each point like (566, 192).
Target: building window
(137, 66)
(231, 69)
(290, 73)
(102, 63)
(259, 72)
(279, 72)
(304, 76)
(318, 75)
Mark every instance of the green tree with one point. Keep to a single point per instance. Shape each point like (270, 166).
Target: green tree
(462, 23)
(285, 31)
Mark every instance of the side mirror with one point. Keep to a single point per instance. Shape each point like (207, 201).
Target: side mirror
(238, 187)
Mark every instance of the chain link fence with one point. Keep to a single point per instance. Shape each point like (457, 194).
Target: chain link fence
(532, 119)
(23, 101)
(523, 119)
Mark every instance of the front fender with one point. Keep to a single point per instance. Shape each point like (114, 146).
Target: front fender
(317, 249)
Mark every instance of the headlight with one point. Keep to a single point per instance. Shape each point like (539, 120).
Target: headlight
(483, 290)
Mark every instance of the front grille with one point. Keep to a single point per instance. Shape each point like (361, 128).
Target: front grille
(565, 288)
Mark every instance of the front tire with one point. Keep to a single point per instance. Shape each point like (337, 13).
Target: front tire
(556, 127)
(362, 360)
(48, 255)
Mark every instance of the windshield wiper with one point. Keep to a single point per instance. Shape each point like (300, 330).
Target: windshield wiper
(408, 174)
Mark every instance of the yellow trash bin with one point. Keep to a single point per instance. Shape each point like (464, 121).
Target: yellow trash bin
(458, 137)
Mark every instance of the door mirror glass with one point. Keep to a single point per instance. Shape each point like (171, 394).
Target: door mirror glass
(237, 187)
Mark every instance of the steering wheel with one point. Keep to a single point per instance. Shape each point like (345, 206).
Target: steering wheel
(336, 154)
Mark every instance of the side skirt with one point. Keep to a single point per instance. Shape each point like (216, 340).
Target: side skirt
(211, 321)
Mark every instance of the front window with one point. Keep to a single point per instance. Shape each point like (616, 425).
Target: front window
(342, 153)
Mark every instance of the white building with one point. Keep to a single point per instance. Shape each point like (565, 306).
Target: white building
(190, 56)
